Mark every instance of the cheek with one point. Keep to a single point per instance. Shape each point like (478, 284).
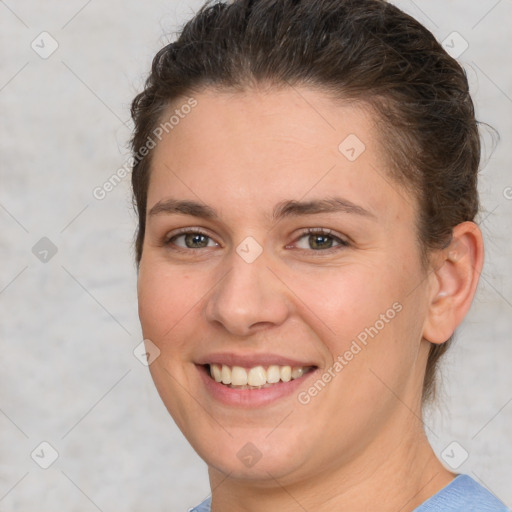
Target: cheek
(165, 296)
(366, 315)
(378, 326)
(348, 299)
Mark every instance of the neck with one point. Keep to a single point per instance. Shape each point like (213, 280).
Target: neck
(394, 474)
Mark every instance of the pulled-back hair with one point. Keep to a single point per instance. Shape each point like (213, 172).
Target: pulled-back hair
(360, 50)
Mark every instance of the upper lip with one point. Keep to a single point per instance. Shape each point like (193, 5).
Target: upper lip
(250, 360)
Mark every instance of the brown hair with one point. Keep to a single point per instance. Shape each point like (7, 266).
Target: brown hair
(363, 50)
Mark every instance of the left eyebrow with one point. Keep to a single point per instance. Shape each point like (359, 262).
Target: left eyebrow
(330, 205)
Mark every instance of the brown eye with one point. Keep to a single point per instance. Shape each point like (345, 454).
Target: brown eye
(192, 240)
(318, 240)
(196, 240)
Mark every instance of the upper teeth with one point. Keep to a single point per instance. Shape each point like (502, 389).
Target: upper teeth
(256, 376)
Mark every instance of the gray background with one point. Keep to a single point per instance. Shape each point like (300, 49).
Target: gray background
(68, 326)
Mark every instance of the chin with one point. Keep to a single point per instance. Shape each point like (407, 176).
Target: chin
(249, 455)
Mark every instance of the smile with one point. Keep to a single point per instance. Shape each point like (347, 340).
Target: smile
(257, 377)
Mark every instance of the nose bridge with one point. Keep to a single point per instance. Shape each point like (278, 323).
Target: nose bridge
(248, 297)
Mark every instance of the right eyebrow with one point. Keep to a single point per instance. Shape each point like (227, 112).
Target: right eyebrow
(170, 206)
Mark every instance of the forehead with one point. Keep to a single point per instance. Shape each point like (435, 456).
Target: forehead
(259, 147)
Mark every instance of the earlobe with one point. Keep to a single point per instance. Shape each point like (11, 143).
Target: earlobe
(454, 282)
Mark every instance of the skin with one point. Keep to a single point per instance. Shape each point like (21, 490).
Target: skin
(360, 442)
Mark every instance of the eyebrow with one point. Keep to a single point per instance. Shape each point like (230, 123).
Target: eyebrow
(186, 207)
(328, 205)
(281, 210)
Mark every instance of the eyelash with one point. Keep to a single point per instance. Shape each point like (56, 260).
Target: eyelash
(341, 243)
(168, 240)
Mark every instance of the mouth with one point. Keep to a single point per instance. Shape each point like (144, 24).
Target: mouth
(255, 377)
(253, 380)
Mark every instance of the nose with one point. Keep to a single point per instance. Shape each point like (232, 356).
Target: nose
(248, 298)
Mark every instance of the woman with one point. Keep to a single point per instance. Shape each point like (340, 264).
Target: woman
(306, 185)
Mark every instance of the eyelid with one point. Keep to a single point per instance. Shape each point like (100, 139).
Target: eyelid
(341, 243)
(184, 231)
(323, 231)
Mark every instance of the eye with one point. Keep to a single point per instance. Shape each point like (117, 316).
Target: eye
(191, 240)
(319, 239)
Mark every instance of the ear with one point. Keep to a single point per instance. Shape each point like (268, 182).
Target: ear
(453, 282)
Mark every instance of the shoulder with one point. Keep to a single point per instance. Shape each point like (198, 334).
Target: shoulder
(463, 494)
(205, 506)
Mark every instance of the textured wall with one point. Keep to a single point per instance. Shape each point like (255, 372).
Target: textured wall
(68, 319)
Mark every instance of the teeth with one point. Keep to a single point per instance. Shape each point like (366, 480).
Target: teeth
(238, 376)
(225, 374)
(297, 371)
(257, 376)
(216, 372)
(273, 374)
(286, 373)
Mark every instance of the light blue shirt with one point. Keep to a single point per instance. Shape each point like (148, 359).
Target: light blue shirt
(462, 494)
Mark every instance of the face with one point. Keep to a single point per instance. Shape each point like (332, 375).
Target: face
(281, 257)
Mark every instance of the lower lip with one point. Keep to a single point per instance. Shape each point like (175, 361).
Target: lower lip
(250, 397)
